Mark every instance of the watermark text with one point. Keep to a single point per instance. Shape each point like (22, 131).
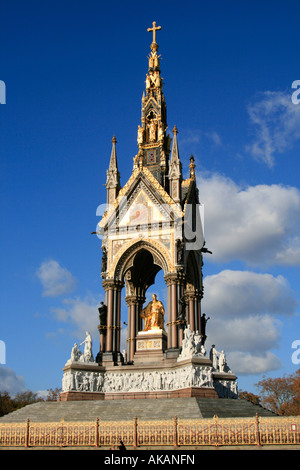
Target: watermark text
(296, 94)
(296, 354)
(2, 92)
(2, 352)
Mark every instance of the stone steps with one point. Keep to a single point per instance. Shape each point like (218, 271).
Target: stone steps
(146, 409)
(116, 410)
(230, 408)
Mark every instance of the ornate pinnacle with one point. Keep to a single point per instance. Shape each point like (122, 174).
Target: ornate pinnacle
(192, 167)
(154, 29)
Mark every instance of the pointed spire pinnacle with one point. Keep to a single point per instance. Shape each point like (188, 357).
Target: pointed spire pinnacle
(175, 151)
(175, 171)
(113, 164)
(192, 168)
(113, 175)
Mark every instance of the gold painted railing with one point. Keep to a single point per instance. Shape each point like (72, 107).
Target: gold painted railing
(174, 433)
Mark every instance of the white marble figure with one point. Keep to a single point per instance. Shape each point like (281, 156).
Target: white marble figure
(219, 360)
(222, 361)
(191, 345)
(87, 355)
(213, 355)
(75, 354)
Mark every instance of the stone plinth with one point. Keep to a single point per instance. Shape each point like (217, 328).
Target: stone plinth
(189, 392)
(150, 346)
(167, 378)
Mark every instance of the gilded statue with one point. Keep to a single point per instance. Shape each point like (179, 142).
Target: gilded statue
(153, 315)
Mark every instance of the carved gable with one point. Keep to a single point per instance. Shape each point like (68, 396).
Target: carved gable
(144, 210)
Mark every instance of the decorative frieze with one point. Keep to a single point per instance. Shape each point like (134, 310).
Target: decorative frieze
(147, 381)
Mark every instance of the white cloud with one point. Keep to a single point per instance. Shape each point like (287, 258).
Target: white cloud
(243, 308)
(244, 363)
(253, 334)
(214, 137)
(82, 313)
(276, 125)
(257, 224)
(55, 279)
(190, 140)
(11, 382)
(231, 294)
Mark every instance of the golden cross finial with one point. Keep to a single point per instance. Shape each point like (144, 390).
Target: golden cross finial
(154, 29)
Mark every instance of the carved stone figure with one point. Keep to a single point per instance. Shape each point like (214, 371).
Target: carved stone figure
(213, 355)
(140, 138)
(181, 317)
(75, 354)
(191, 344)
(104, 261)
(87, 355)
(179, 246)
(148, 82)
(160, 132)
(204, 320)
(222, 361)
(152, 131)
(102, 314)
(153, 315)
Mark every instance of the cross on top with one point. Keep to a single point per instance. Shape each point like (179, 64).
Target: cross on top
(154, 29)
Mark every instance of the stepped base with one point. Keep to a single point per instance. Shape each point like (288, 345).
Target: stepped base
(188, 392)
(144, 409)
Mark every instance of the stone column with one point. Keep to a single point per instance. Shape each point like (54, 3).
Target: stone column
(198, 312)
(134, 303)
(193, 300)
(110, 307)
(175, 283)
(168, 324)
(113, 299)
(117, 316)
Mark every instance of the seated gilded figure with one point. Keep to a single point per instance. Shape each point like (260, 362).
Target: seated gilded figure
(153, 315)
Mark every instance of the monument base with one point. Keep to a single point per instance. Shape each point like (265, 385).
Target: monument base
(150, 346)
(155, 372)
(189, 392)
(167, 378)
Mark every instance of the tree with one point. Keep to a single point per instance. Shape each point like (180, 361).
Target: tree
(6, 403)
(25, 398)
(53, 394)
(9, 404)
(281, 395)
(244, 395)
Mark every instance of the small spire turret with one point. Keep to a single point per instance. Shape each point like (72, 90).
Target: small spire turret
(113, 175)
(175, 171)
(192, 168)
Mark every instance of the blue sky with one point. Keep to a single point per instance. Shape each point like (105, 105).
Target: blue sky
(74, 75)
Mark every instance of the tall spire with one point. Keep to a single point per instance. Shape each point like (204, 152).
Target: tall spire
(113, 175)
(175, 171)
(153, 143)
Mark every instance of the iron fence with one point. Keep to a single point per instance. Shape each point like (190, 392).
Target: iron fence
(176, 433)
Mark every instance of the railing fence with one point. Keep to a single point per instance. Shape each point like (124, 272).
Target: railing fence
(256, 431)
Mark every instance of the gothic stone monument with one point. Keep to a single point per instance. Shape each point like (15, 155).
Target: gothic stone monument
(152, 223)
